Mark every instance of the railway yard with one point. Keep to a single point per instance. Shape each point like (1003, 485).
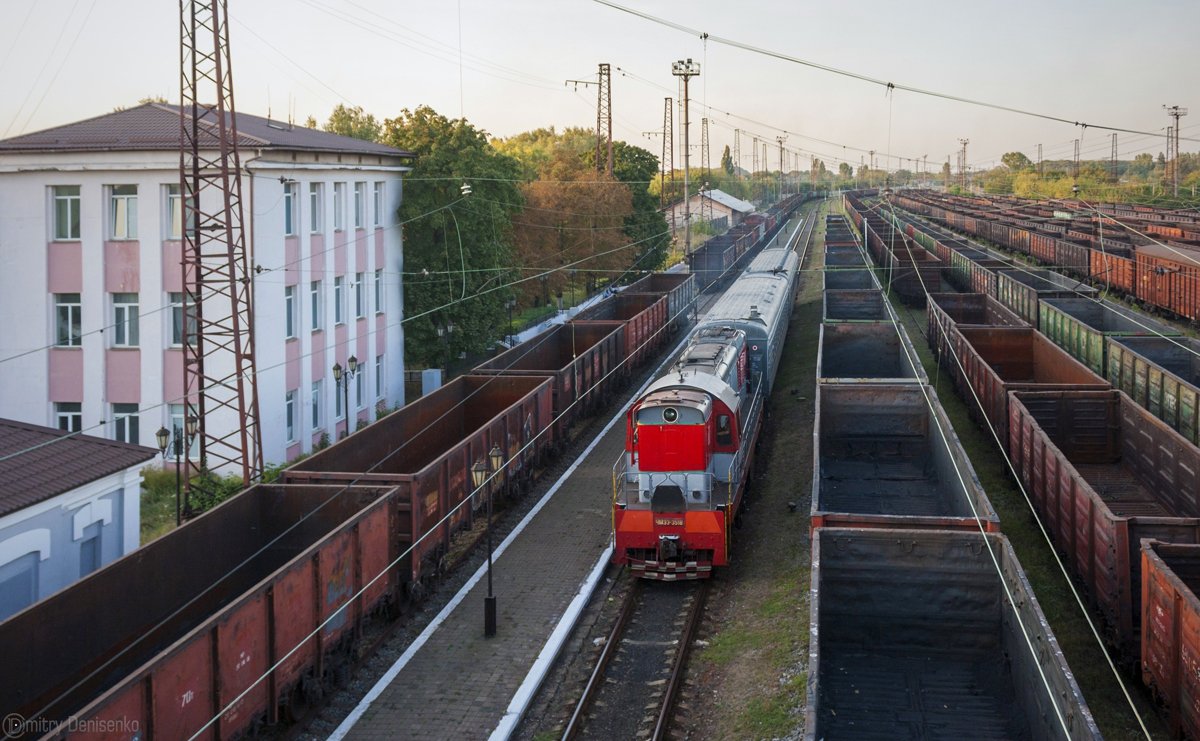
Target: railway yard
(594, 370)
(890, 575)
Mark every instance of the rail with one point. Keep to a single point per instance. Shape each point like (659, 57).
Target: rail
(611, 643)
(619, 636)
(671, 692)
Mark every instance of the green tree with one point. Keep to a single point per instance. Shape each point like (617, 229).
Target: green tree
(458, 250)
(1016, 161)
(573, 224)
(845, 171)
(1142, 165)
(534, 149)
(646, 225)
(354, 122)
(727, 161)
(946, 170)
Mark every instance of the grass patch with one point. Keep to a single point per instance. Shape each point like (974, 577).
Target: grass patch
(158, 503)
(774, 715)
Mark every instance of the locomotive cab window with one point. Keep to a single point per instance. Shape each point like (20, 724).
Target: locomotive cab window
(724, 430)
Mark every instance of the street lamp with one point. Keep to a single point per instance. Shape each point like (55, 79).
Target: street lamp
(178, 442)
(509, 304)
(479, 476)
(340, 375)
(443, 332)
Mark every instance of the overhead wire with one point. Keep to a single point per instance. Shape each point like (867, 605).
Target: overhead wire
(1029, 502)
(466, 499)
(858, 76)
(360, 477)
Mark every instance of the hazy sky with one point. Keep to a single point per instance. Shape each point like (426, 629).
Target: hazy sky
(1101, 62)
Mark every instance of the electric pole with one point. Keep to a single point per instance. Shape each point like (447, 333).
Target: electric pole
(1113, 160)
(604, 148)
(685, 70)
(706, 163)
(1041, 166)
(604, 140)
(781, 139)
(962, 165)
(219, 377)
(1175, 112)
(737, 149)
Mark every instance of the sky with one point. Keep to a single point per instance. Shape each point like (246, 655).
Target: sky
(503, 65)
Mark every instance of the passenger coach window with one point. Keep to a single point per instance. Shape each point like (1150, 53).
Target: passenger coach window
(724, 432)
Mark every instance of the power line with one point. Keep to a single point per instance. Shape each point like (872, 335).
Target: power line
(857, 76)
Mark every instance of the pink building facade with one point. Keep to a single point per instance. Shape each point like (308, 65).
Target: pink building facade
(90, 256)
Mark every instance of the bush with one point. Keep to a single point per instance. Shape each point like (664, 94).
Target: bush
(209, 490)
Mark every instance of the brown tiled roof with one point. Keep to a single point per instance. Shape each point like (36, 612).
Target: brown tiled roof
(37, 463)
(155, 126)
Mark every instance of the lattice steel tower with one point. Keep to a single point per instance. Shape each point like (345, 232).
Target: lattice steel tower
(706, 163)
(604, 140)
(685, 71)
(1175, 112)
(218, 349)
(668, 154)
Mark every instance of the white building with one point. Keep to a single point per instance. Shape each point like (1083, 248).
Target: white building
(69, 504)
(710, 205)
(90, 255)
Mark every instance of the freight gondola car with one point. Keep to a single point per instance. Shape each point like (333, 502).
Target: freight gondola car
(281, 576)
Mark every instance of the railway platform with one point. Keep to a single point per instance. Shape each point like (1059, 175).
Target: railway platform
(452, 682)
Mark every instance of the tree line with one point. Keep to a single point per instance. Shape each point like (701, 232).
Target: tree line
(493, 226)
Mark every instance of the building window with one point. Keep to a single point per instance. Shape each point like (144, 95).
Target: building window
(289, 311)
(68, 415)
(176, 300)
(68, 316)
(125, 320)
(289, 413)
(174, 216)
(338, 394)
(379, 291)
(339, 206)
(125, 423)
(358, 389)
(338, 301)
(89, 553)
(179, 432)
(360, 296)
(314, 298)
(18, 584)
(290, 220)
(378, 203)
(315, 201)
(66, 211)
(316, 405)
(379, 377)
(360, 205)
(122, 212)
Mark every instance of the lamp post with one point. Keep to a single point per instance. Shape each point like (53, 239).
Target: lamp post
(341, 377)
(444, 331)
(509, 304)
(178, 441)
(480, 477)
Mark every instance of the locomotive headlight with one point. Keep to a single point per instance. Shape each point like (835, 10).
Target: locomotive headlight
(670, 414)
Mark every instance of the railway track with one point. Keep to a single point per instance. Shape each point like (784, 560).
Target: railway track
(633, 688)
